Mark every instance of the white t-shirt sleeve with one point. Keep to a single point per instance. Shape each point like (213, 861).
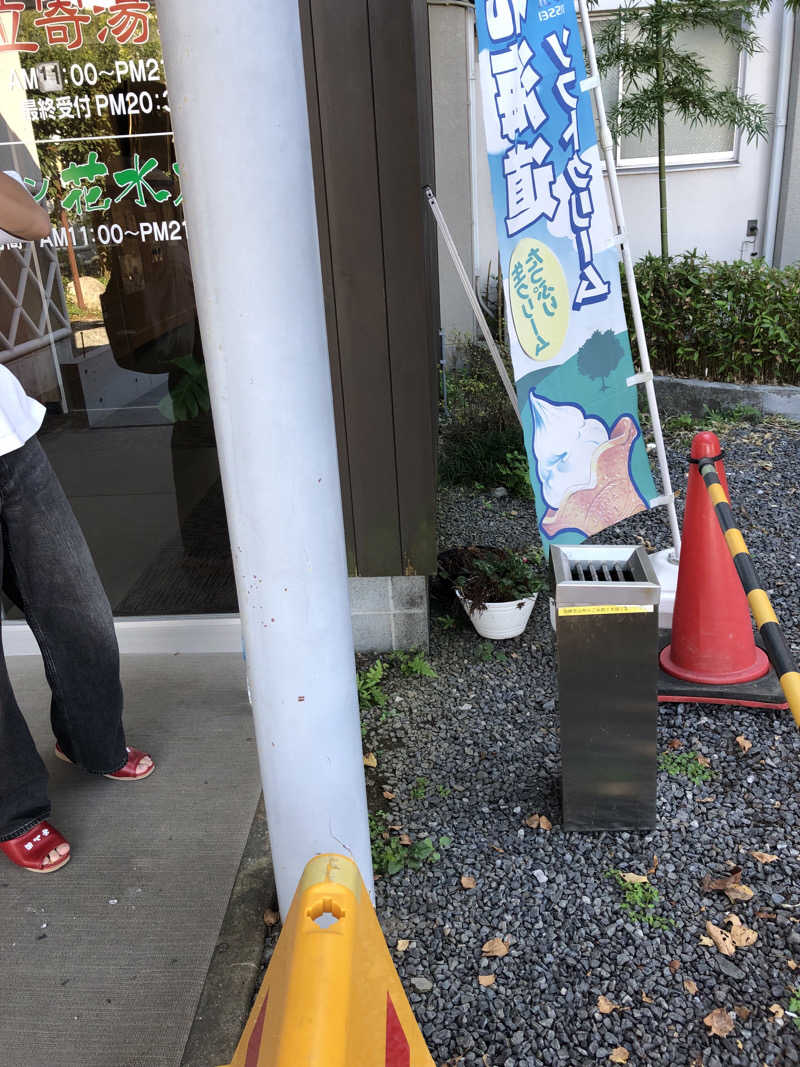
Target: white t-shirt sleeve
(20, 415)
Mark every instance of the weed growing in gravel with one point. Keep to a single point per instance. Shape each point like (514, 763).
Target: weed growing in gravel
(419, 789)
(685, 765)
(443, 791)
(390, 855)
(639, 900)
(515, 474)
(369, 680)
(414, 662)
(794, 1007)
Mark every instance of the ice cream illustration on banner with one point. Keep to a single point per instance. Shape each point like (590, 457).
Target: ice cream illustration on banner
(582, 467)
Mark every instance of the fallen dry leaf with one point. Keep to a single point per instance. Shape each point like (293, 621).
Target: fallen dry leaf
(388, 794)
(404, 839)
(495, 947)
(719, 1022)
(604, 1005)
(674, 743)
(498, 849)
(370, 760)
(741, 935)
(402, 944)
(673, 966)
(704, 761)
(646, 999)
(628, 876)
(721, 938)
(654, 867)
(271, 918)
(619, 1055)
(766, 915)
(467, 881)
(792, 965)
(777, 1011)
(486, 979)
(533, 822)
(764, 857)
(544, 823)
(690, 986)
(742, 1011)
(739, 892)
(706, 941)
(743, 743)
(707, 800)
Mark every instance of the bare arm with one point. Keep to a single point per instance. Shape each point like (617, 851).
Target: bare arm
(19, 213)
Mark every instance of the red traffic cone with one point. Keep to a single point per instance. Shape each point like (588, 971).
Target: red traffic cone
(712, 636)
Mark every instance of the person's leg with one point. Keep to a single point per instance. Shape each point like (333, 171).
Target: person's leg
(50, 574)
(23, 778)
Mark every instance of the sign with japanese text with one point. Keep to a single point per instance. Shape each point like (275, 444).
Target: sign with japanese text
(566, 323)
(85, 123)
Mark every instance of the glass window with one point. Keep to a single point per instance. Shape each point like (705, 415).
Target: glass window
(98, 321)
(684, 143)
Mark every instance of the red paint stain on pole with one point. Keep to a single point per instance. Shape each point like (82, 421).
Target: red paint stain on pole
(254, 1044)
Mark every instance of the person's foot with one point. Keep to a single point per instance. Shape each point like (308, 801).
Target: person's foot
(41, 849)
(139, 765)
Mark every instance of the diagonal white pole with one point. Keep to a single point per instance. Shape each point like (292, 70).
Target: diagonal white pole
(477, 311)
(646, 377)
(242, 138)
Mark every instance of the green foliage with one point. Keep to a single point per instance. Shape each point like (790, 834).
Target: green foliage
(730, 322)
(488, 652)
(485, 574)
(414, 662)
(447, 622)
(639, 901)
(599, 356)
(661, 77)
(368, 681)
(685, 765)
(515, 475)
(189, 395)
(419, 789)
(443, 791)
(794, 1007)
(390, 856)
(481, 428)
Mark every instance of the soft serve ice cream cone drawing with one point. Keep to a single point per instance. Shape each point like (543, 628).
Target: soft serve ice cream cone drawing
(583, 468)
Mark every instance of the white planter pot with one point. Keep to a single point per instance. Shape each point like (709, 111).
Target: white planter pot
(500, 620)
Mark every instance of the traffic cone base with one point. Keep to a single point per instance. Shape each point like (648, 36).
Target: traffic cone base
(763, 692)
(756, 669)
(331, 996)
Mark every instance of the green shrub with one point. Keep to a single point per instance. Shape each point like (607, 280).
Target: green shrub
(729, 322)
(481, 430)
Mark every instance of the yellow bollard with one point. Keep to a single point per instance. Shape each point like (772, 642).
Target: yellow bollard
(331, 996)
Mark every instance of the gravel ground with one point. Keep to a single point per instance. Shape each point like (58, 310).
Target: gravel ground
(474, 751)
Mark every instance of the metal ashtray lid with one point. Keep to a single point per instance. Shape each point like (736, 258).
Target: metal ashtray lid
(603, 574)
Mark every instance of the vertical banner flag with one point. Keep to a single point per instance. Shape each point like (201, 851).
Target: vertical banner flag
(566, 322)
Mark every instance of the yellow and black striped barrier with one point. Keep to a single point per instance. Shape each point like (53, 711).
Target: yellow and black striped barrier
(769, 628)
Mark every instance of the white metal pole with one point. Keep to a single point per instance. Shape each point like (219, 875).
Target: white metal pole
(238, 102)
(778, 135)
(646, 379)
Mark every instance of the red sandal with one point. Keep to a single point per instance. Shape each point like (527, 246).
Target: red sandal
(126, 773)
(29, 850)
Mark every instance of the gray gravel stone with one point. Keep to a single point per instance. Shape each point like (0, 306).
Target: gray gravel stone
(484, 736)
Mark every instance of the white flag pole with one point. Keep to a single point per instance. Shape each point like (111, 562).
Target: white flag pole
(447, 237)
(646, 377)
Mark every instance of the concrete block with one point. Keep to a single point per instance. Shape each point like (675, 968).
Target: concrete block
(410, 593)
(370, 594)
(372, 631)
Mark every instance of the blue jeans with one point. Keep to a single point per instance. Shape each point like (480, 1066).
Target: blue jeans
(48, 572)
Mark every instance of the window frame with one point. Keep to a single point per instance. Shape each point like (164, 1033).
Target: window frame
(687, 160)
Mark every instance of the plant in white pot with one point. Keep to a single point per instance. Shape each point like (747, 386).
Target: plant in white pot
(496, 587)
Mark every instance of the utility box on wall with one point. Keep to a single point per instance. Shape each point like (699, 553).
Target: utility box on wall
(606, 602)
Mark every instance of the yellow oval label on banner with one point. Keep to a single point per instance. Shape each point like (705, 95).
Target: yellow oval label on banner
(539, 299)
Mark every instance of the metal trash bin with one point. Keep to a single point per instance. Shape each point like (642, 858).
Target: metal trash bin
(606, 599)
